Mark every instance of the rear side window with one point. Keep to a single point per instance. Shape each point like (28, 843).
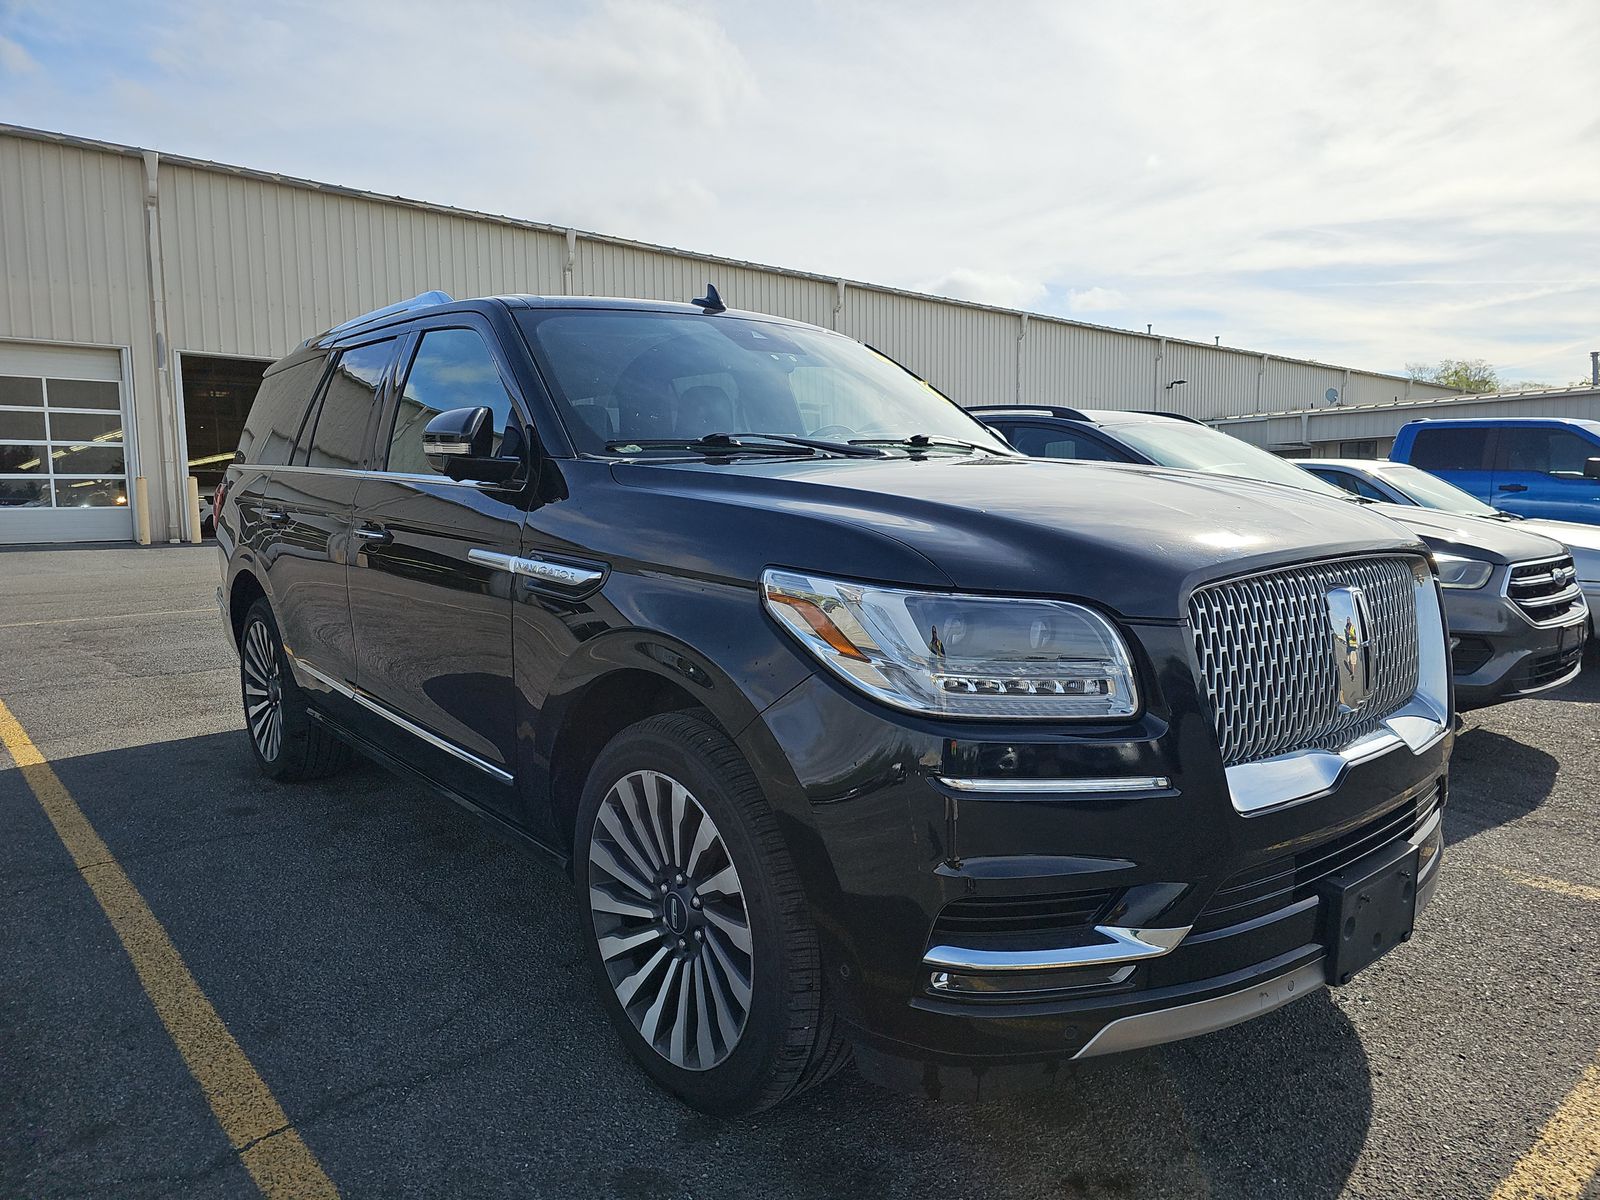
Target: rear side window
(1546, 451)
(336, 435)
(280, 406)
(1457, 449)
(1353, 484)
(453, 368)
(1044, 441)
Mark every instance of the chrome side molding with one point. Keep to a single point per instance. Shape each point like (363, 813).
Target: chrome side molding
(542, 569)
(1124, 946)
(302, 667)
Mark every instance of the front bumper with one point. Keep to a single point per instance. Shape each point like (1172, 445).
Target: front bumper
(1499, 654)
(1188, 936)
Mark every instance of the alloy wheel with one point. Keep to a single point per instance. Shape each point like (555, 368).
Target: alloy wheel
(669, 916)
(263, 690)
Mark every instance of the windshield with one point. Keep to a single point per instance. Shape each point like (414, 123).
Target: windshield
(1432, 492)
(624, 377)
(1197, 448)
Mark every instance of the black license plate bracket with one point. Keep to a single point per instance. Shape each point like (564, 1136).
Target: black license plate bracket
(1368, 908)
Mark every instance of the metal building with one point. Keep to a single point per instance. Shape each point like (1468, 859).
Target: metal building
(143, 294)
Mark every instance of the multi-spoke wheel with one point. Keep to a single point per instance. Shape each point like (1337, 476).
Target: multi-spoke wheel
(287, 743)
(670, 917)
(263, 690)
(696, 923)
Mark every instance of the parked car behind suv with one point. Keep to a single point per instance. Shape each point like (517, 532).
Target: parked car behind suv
(1531, 466)
(856, 728)
(1401, 483)
(1517, 624)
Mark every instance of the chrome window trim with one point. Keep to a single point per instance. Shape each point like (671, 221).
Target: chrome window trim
(1205, 1016)
(541, 569)
(1125, 946)
(411, 727)
(1058, 787)
(395, 476)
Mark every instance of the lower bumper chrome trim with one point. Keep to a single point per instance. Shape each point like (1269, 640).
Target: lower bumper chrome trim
(1059, 787)
(1204, 1016)
(1124, 946)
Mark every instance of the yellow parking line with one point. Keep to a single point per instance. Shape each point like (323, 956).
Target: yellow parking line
(1567, 1154)
(1562, 887)
(281, 1164)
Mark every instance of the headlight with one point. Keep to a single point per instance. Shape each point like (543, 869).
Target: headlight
(959, 656)
(1458, 572)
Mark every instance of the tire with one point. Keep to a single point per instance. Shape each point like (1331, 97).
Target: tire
(287, 743)
(695, 923)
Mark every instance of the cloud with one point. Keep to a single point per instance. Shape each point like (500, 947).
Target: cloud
(14, 60)
(1095, 299)
(1268, 176)
(988, 287)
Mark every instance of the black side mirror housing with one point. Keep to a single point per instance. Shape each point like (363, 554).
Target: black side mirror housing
(458, 442)
(1591, 468)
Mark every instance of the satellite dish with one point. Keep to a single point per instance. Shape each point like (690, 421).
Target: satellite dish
(1331, 395)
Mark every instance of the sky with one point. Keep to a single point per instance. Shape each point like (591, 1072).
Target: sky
(1370, 184)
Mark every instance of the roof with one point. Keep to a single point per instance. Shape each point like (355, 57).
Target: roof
(1477, 422)
(1585, 391)
(1093, 416)
(292, 181)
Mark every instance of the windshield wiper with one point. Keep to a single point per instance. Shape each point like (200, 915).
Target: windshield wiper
(921, 441)
(715, 444)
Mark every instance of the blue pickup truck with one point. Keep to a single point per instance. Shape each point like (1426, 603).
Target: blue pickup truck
(1532, 466)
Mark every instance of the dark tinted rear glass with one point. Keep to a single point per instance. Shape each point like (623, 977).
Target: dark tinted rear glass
(280, 406)
(1458, 449)
(337, 435)
(1047, 441)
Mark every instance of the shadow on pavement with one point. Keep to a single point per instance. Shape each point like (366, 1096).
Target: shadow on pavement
(412, 989)
(1494, 779)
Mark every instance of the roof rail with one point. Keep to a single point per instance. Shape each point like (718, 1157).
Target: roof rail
(1066, 414)
(1156, 412)
(425, 300)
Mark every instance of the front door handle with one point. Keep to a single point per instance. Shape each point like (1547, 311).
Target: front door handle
(374, 534)
(276, 515)
(1513, 487)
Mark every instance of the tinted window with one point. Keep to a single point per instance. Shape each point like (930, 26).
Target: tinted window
(1352, 483)
(337, 434)
(1459, 449)
(1045, 441)
(280, 405)
(453, 368)
(1548, 451)
(1196, 448)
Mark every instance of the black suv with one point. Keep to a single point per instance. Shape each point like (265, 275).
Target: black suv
(857, 728)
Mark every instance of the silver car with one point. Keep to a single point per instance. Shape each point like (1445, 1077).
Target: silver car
(1401, 483)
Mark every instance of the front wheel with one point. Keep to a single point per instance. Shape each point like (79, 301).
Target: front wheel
(695, 922)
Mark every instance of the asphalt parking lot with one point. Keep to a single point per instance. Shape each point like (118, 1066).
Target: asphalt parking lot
(410, 989)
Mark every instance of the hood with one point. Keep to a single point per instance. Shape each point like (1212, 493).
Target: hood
(1476, 537)
(1133, 539)
(1582, 541)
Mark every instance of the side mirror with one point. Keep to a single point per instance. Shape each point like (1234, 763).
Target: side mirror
(458, 442)
(1591, 468)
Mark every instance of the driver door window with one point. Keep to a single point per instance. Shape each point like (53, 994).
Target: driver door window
(452, 368)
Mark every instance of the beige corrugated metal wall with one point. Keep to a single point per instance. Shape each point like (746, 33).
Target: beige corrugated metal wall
(250, 264)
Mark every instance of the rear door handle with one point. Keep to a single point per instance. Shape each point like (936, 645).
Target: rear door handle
(375, 534)
(1513, 487)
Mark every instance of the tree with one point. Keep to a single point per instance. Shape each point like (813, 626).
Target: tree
(1468, 374)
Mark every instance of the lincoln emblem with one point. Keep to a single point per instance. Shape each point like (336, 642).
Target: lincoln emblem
(1349, 619)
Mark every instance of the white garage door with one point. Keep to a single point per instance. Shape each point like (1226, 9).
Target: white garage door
(63, 460)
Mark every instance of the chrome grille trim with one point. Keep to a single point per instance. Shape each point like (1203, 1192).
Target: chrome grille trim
(1267, 656)
(1546, 590)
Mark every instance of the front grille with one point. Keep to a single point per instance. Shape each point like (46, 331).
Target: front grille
(1263, 889)
(1268, 658)
(984, 917)
(1547, 590)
